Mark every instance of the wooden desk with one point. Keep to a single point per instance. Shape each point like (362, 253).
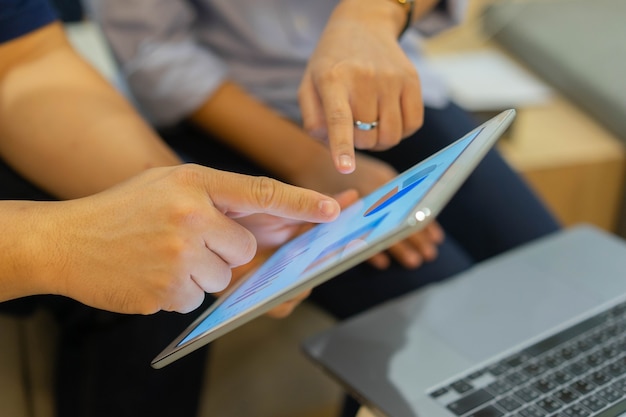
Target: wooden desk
(574, 164)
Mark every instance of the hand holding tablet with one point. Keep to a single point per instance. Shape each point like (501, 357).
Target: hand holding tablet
(396, 210)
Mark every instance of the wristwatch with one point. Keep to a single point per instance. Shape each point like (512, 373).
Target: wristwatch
(409, 6)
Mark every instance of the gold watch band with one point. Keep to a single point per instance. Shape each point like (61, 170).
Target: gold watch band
(409, 5)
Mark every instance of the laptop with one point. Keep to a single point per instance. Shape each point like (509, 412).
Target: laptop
(394, 211)
(537, 331)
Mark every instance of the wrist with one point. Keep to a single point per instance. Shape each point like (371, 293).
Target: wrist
(27, 250)
(388, 16)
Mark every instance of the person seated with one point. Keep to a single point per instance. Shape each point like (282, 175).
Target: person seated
(328, 95)
(138, 235)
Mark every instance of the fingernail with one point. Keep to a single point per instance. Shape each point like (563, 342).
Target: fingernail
(328, 208)
(346, 163)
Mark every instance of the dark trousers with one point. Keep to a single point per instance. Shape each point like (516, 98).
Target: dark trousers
(103, 366)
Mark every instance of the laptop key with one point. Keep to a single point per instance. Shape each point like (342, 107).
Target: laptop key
(469, 402)
(594, 359)
(551, 361)
(599, 338)
(616, 368)
(560, 377)
(568, 352)
(566, 395)
(599, 378)
(609, 394)
(516, 360)
(489, 411)
(610, 352)
(461, 386)
(532, 411)
(534, 369)
(620, 384)
(582, 386)
(527, 394)
(509, 403)
(578, 368)
(499, 387)
(439, 392)
(544, 385)
(498, 369)
(549, 404)
(584, 344)
(576, 410)
(593, 403)
(517, 378)
(476, 374)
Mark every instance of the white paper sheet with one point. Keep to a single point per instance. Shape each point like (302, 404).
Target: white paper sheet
(488, 80)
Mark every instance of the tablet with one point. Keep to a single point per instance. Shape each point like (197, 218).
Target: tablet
(373, 223)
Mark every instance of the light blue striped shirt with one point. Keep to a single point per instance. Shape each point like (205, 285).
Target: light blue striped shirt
(175, 53)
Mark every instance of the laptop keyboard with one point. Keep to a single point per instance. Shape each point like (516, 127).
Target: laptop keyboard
(578, 372)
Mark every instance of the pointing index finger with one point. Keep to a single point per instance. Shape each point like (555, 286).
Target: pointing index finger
(339, 121)
(238, 195)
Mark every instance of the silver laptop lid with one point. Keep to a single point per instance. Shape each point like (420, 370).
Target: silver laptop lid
(393, 356)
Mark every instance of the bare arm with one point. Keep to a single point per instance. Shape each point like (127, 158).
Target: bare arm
(265, 137)
(156, 242)
(63, 126)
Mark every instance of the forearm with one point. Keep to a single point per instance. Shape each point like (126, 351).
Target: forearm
(63, 126)
(255, 130)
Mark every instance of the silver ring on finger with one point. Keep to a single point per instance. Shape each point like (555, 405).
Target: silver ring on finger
(364, 125)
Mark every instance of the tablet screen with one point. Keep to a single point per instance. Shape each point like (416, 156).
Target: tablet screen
(359, 225)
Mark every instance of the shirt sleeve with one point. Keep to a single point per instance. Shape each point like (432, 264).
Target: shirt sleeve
(19, 17)
(168, 73)
(447, 14)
